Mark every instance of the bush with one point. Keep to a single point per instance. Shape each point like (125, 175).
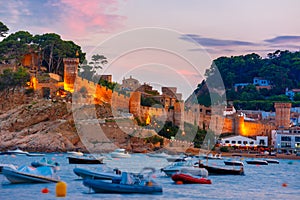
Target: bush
(224, 149)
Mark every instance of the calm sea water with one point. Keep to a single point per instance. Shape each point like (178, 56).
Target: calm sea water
(260, 182)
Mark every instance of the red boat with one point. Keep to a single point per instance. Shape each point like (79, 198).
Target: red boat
(186, 178)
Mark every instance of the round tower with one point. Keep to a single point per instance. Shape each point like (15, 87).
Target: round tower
(70, 73)
(135, 104)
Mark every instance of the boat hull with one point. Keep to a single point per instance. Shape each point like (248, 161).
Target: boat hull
(17, 177)
(120, 155)
(100, 186)
(222, 171)
(187, 179)
(234, 163)
(256, 162)
(75, 160)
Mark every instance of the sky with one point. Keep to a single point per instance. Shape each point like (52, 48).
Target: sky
(163, 43)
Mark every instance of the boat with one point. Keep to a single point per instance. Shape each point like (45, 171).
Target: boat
(120, 153)
(35, 154)
(273, 161)
(85, 160)
(104, 175)
(45, 162)
(128, 184)
(256, 162)
(75, 153)
(190, 179)
(233, 162)
(187, 166)
(158, 155)
(14, 152)
(218, 170)
(28, 174)
(7, 165)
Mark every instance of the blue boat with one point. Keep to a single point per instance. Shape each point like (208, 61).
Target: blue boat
(104, 175)
(129, 183)
(45, 162)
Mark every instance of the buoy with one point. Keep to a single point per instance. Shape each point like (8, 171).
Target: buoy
(61, 189)
(284, 185)
(149, 183)
(45, 190)
(179, 182)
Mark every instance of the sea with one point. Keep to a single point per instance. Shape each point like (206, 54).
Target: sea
(273, 181)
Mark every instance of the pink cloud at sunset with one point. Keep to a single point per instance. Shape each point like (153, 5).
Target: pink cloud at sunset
(83, 18)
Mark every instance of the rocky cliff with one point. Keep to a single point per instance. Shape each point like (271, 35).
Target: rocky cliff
(40, 125)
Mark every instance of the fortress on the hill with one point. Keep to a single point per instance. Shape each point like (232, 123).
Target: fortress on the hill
(173, 108)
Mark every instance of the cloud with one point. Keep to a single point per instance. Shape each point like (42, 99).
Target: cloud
(284, 39)
(72, 18)
(215, 42)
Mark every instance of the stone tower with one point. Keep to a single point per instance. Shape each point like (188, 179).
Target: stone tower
(135, 104)
(179, 114)
(70, 73)
(282, 119)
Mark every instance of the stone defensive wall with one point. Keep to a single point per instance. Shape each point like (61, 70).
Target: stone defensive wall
(100, 94)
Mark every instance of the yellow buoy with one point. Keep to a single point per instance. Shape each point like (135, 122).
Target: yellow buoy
(61, 189)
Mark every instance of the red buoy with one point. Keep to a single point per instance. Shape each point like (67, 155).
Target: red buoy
(45, 190)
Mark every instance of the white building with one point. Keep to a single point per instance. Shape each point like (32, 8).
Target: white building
(286, 139)
(245, 141)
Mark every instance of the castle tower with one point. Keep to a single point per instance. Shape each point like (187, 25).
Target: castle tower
(70, 73)
(135, 104)
(282, 119)
(179, 115)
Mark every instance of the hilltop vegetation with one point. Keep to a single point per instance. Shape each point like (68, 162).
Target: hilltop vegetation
(281, 68)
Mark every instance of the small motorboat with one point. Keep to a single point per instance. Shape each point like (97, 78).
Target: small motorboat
(15, 152)
(218, 170)
(104, 175)
(158, 155)
(128, 184)
(256, 162)
(8, 166)
(233, 162)
(35, 154)
(176, 167)
(75, 153)
(28, 174)
(190, 179)
(120, 153)
(85, 160)
(272, 161)
(45, 162)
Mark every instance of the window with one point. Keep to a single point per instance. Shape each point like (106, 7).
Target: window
(286, 144)
(239, 142)
(233, 142)
(227, 141)
(251, 142)
(285, 138)
(297, 139)
(245, 142)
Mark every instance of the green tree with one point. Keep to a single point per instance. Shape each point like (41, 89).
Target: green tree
(98, 61)
(3, 29)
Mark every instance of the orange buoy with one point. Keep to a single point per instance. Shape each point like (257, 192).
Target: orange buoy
(179, 182)
(45, 190)
(61, 189)
(284, 185)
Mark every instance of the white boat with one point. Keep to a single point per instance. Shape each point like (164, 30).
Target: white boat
(158, 155)
(233, 162)
(8, 166)
(35, 154)
(15, 152)
(75, 153)
(25, 174)
(186, 166)
(273, 161)
(120, 153)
